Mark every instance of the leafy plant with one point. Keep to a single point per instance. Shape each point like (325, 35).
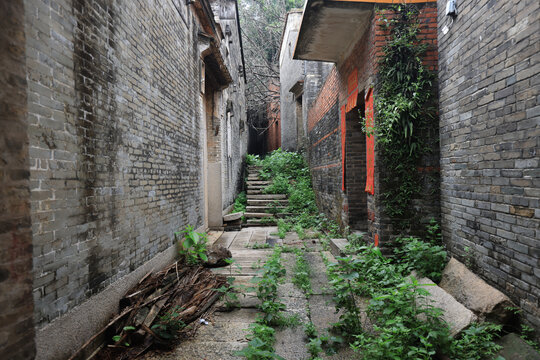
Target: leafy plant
(169, 324)
(240, 203)
(405, 327)
(262, 335)
(302, 274)
(253, 160)
(193, 246)
(280, 185)
(300, 231)
(433, 232)
(476, 342)
(414, 254)
(260, 345)
(527, 334)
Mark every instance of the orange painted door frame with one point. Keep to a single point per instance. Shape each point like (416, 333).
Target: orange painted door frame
(370, 144)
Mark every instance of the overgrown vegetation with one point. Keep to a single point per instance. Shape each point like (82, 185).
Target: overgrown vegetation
(403, 107)
(290, 175)
(302, 274)
(401, 322)
(427, 258)
(262, 333)
(240, 203)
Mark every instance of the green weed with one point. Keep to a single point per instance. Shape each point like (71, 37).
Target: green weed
(193, 247)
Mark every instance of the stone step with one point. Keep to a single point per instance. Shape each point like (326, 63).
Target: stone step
(255, 192)
(252, 208)
(258, 222)
(258, 182)
(266, 202)
(267, 197)
(254, 178)
(457, 316)
(469, 289)
(337, 246)
(257, 187)
(259, 215)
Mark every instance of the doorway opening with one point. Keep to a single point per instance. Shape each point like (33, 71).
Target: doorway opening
(355, 166)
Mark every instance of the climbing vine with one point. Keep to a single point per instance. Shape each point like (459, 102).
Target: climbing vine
(403, 107)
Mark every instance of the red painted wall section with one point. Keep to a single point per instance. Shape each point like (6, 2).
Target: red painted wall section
(370, 145)
(343, 137)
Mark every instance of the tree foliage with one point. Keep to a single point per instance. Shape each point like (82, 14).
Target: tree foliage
(262, 24)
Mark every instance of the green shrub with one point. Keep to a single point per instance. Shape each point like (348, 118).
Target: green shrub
(476, 342)
(280, 185)
(193, 247)
(240, 202)
(414, 254)
(253, 160)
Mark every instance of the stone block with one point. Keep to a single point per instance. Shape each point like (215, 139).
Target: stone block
(457, 316)
(488, 303)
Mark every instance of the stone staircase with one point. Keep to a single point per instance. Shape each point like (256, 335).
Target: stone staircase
(260, 205)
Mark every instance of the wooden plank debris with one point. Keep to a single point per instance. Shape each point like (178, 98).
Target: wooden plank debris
(158, 311)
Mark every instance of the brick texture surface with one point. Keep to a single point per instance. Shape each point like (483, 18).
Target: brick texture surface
(115, 140)
(16, 304)
(489, 135)
(356, 208)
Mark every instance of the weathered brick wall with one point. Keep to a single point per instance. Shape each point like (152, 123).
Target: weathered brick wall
(355, 208)
(489, 127)
(426, 203)
(115, 150)
(16, 303)
(324, 158)
(234, 133)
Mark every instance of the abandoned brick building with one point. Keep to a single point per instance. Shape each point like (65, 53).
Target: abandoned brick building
(481, 179)
(122, 122)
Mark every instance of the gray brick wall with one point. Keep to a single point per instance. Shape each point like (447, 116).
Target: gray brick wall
(234, 133)
(16, 305)
(489, 135)
(115, 150)
(324, 158)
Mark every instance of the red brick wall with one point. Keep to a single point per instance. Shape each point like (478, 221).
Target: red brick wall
(364, 57)
(326, 99)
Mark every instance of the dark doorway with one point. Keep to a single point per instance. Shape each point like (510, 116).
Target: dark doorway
(355, 166)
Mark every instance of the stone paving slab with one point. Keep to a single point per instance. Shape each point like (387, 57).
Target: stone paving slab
(194, 349)
(291, 342)
(219, 339)
(226, 239)
(319, 280)
(323, 312)
(213, 236)
(226, 333)
(515, 348)
(337, 246)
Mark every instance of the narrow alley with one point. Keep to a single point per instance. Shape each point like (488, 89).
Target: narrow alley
(270, 179)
